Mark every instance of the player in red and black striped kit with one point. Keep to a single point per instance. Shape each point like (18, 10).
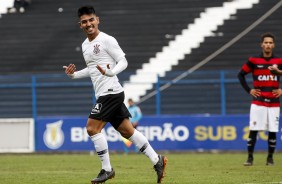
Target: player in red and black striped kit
(265, 107)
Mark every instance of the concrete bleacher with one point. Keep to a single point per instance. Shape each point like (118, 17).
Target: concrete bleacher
(237, 100)
(43, 39)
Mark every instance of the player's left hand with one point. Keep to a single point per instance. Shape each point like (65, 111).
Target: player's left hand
(107, 72)
(101, 69)
(273, 69)
(277, 92)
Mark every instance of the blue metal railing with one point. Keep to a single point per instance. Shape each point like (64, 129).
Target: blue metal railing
(62, 86)
(219, 77)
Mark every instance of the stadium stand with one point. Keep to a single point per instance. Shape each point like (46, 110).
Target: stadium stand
(194, 99)
(45, 38)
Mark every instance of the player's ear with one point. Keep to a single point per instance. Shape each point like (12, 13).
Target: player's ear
(98, 20)
(79, 23)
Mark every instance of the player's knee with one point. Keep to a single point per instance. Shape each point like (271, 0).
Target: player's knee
(126, 133)
(92, 130)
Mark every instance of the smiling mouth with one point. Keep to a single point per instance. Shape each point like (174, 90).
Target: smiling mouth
(90, 28)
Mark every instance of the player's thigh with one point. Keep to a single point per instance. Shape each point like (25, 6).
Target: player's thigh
(94, 126)
(258, 117)
(125, 128)
(273, 119)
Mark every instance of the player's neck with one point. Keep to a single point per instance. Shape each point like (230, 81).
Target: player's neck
(93, 36)
(267, 54)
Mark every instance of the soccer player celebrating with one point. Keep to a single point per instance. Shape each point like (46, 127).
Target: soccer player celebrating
(105, 59)
(265, 107)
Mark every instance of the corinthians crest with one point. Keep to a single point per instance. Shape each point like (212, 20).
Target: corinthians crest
(53, 136)
(96, 49)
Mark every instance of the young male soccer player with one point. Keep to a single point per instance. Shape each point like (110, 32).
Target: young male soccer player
(105, 59)
(265, 107)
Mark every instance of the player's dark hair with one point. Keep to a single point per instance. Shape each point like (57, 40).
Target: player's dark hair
(85, 10)
(268, 34)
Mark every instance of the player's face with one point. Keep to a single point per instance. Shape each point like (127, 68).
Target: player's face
(89, 24)
(267, 45)
(130, 103)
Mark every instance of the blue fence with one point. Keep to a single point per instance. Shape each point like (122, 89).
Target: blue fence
(221, 80)
(56, 94)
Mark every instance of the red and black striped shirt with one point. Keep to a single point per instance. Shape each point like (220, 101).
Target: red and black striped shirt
(262, 79)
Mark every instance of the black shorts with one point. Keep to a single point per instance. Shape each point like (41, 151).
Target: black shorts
(110, 108)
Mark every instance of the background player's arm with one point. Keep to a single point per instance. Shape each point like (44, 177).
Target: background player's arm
(277, 92)
(275, 70)
(243, 82)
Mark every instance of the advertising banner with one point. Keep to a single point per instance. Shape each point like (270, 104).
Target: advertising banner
(174, 133)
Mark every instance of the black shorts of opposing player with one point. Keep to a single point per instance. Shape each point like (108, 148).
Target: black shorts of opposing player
(110, 108)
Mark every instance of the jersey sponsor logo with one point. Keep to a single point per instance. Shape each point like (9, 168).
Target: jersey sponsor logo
(53, 136)
(260, 66)
(96, 49)
(96, 109)
(267, 78)
(267, 100)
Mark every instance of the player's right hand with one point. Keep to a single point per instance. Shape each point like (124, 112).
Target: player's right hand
(69, 70)
(255, 92)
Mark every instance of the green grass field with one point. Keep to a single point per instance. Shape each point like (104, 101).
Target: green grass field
(194, 168)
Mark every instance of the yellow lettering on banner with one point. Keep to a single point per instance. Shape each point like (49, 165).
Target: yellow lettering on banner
(263, 135)
(246, 133)
(217, 135)
(229, 133)
(200, 133)
(226, 133)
